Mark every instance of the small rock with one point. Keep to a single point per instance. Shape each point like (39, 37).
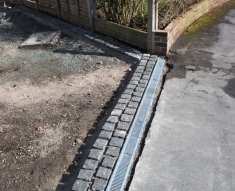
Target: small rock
(130, 69)
(100, 62)
(78, 140)
(190, 67)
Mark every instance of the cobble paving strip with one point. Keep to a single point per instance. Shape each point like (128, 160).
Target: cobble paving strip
(116, 142)
(113, 119)
(143, 82)
(99, 184)
(137, 75)
(129, 91)
(133, 104)
(131, 111)
(105, 134)
(85, 174)
(90, 164)
(127, 118)
(149, 69)
(96, 154)
(140, 89)
(130, 86)
(117, 126)
(80, 185)
(138, 94)
(142, 85)
(135, 78)
(104, 172)
(120, 133)
(140, 70)
(134, 82)
(146, 73)
(100, 144)
(109, 126)
(117, 112)
(113, 151)
(136, 99)
(146, 76)
(109, 161)
(123, 125)
(127, 96)
(125, 101)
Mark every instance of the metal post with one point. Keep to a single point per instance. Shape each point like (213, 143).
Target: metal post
(152, 23)
(91, 12)
(22, 3)
(58, 9)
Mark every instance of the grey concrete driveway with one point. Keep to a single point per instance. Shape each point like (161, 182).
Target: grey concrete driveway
(191, 143)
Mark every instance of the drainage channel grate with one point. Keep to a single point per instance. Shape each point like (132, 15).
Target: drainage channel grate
(123, 166)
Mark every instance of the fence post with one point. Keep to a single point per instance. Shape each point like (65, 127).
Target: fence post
(37, 6)
(152, 23)
(58, 9)
(91, 13)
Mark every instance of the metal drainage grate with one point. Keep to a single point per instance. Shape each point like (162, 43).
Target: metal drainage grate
(122, 169)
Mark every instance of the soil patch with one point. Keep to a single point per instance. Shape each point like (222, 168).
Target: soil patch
(50, 99)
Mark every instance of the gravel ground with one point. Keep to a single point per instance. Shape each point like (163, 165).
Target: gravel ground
(51, 99)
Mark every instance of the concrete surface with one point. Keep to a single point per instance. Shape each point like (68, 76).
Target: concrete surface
(192, 136)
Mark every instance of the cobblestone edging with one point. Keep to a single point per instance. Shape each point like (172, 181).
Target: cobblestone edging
(73, 30)
(99, 165)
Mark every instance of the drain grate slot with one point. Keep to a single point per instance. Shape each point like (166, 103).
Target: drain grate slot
(122, 169)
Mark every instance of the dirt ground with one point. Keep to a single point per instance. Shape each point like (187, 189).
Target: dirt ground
(51, 98)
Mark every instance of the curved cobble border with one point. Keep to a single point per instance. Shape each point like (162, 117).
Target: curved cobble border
(164, 39)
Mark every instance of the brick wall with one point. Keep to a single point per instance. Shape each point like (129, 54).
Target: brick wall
(164, 39)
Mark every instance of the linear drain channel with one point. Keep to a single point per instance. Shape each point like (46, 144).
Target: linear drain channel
(122, 169)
